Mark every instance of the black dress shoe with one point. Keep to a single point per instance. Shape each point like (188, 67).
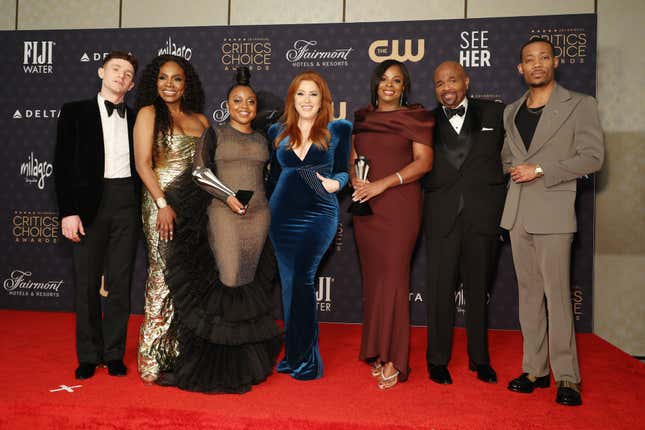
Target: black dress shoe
(522, 384)
(439, 374)
(568, 394)
(484, 372)
(85, 370)
(116, 368)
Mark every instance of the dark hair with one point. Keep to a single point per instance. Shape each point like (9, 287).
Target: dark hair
(242, 79)
(122, 55)
(147, 94)
(378, 73)
(536, 40)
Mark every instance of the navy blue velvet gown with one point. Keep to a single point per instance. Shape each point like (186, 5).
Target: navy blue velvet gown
(304, 220)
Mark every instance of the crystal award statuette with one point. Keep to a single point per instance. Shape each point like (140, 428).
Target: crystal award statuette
(204, 176)
(361, 169)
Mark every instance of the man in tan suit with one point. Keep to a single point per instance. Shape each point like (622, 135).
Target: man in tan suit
(553, 137)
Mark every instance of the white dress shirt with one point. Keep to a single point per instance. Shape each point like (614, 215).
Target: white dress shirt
(458, 121)
(115, 142)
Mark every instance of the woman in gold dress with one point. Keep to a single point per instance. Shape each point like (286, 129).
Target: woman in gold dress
(214, 331)
(168, 127)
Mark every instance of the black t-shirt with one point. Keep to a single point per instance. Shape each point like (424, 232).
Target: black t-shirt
(526, 121)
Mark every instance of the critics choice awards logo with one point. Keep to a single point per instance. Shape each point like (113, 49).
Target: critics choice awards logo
(253, 52)
(19, 283)
(35, 171)
(35, 227)
(381, 50)
(172, 48)
(323, 293)
(38, 56)
(306, 54)
(570, 43)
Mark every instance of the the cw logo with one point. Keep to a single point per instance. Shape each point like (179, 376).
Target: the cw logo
(379, 51)
(342, 110)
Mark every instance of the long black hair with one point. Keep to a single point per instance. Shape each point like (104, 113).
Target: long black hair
(378, 73)
(147, 94)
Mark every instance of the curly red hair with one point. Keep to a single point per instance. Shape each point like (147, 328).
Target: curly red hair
(319, 134)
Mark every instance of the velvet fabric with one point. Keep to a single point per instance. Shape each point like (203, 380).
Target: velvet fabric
(304, 220)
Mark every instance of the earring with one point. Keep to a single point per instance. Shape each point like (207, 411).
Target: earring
(401, 100)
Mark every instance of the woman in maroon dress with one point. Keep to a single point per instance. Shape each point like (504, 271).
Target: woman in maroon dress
(397, 140)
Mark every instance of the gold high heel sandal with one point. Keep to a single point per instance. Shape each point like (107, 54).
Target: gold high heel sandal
(387, 382)
(375, 370)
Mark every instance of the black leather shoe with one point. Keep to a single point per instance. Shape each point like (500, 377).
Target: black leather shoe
(522, 384)
(85, 370)
(484, 372)
(116, 368)
(568, 394)
(439, 374)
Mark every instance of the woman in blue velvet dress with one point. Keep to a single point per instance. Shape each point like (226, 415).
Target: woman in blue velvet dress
(308, 167)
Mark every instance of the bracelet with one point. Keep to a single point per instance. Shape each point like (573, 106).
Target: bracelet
(398, 175)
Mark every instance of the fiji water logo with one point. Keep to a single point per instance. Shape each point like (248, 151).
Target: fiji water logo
(171, 48)
(36, 171)
(38, 56)
(323, 293)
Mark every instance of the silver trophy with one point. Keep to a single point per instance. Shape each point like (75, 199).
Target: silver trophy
(205, 176)
(361, 169)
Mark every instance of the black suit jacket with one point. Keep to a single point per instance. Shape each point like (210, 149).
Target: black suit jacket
(79, 160)
(478, 178)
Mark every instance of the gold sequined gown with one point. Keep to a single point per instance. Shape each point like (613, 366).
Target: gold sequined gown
(172, 156)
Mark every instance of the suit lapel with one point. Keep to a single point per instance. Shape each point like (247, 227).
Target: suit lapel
(555, 113)
(472, 126)
(516, 137)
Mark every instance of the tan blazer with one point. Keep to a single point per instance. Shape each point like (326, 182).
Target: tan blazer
(567, 144)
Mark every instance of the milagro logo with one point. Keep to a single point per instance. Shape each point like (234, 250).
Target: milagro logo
(19, 283)
(323, 293)
(220, 115)
(35, 171)
(36, 113)
(173, 48)
(460, 299)
(381, 50)
(305, 54)
(35, 227)
(38, 56)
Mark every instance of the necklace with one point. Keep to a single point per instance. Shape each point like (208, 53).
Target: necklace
(534, 111)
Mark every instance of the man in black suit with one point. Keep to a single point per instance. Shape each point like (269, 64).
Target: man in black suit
(464, 197)
(98, 199)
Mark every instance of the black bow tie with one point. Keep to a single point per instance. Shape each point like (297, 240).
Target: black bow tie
(461, 110)
(120, 108)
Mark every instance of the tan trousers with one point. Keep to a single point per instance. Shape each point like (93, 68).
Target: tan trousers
(542, 265)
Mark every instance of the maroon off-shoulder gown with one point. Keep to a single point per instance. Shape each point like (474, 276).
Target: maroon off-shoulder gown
(387, 238)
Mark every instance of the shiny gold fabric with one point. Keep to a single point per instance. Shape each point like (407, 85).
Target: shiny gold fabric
(170, 157)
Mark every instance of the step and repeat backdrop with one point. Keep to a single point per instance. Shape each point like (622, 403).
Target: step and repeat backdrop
(43, 69)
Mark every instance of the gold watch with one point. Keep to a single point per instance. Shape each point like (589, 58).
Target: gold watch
(538, 170)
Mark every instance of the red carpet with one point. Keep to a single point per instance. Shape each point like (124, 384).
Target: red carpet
(37, 355)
